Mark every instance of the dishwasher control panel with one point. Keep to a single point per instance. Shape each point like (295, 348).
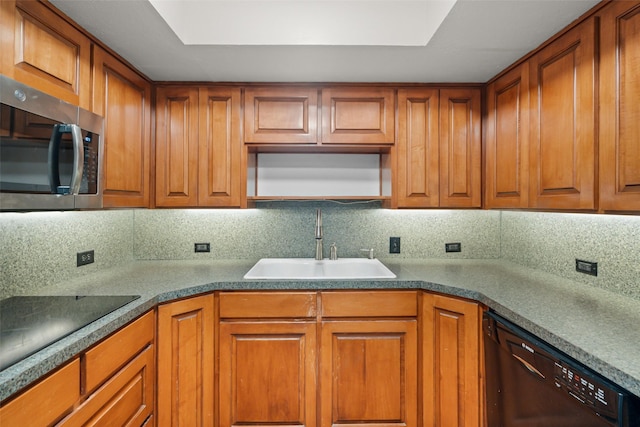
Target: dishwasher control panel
(585, 389)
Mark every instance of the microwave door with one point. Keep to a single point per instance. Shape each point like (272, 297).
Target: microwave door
(68, 157)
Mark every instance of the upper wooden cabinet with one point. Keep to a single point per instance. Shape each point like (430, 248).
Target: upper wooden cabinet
(358, 115)
(418, 170)
(619, 107)
(314, 115)
(439, 148)
(460, 148)
(281, 115)
(123, 98)
(507, 140)
(198, 146)
(563, 121)
(42, 50)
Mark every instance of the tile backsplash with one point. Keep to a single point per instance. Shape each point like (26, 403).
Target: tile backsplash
(40, 248)
(286, 229)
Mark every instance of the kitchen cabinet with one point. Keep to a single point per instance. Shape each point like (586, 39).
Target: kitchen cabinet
(125, 400)
(619, 155)
(563, 121)
(451, 361)
(198, 147)
(47, 401)
(281, 115)
(368, 359)
(362, 115)
(460, 148)
(42, 50)
(186, 362)
(112, 383)
(123, 98)
(418, 170)
(267, 358)
(507, 140)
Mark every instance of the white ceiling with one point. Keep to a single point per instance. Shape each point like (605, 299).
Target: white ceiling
(476, 40)
(296, 22)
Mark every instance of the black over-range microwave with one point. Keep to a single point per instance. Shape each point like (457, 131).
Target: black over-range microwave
(50, 152)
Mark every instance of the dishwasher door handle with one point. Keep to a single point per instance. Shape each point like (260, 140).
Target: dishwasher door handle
(529, 366)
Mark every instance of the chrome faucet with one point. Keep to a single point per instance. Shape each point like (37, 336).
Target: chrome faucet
(319, 251)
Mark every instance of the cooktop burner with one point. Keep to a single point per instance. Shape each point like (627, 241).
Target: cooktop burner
(30, 323)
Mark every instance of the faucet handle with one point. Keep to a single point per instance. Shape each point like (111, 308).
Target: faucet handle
(369, 253)
(333, 252)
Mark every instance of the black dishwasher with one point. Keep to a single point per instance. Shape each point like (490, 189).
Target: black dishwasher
(532, 384)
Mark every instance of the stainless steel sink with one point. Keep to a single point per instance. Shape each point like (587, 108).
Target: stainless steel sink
(307, 268)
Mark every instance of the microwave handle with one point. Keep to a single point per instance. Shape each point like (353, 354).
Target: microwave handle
(78, 159)
(54, 158)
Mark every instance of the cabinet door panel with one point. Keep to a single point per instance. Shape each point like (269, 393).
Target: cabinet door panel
(47, 401)
(418, 161)
(507, 140)
(460, 148)
(451, 350)
(368, 373)
(358, 116)
(41, 50)
(185, 362)
(267, 373)
(619, 107)
(281, 115)
(125, 400)
(177, 147)
(103, 360)
(563, 118)
(122, 97)
(219, 148)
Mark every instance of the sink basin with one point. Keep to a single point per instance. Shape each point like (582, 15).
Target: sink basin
(307, 268)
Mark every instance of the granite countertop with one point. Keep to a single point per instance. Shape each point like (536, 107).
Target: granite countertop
(596, 327)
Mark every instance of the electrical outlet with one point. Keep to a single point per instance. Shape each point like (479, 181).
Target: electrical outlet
(202, 247)
(453, 247)
(394, 245)
(587, 267)
(84, 258)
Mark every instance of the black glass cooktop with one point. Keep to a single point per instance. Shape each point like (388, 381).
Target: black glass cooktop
(30, 323)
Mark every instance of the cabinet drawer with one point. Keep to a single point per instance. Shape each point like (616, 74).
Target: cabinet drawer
(239, 305)
(45, 402)
(370, 304)
(125, 400)
(107, 357)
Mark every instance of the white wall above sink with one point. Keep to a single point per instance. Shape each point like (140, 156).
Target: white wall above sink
(317, 175)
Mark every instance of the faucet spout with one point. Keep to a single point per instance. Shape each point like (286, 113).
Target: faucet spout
(319, 251)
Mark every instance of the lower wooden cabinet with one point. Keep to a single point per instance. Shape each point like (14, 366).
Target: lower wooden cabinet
(111, 384)
(268, 358)
(368, 373)
(451, 362)
(268, 373)
(273, 358)
(186, 362)
(125, 400)
(47, 401)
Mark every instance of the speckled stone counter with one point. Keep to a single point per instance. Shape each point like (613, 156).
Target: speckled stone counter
(596, 327)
